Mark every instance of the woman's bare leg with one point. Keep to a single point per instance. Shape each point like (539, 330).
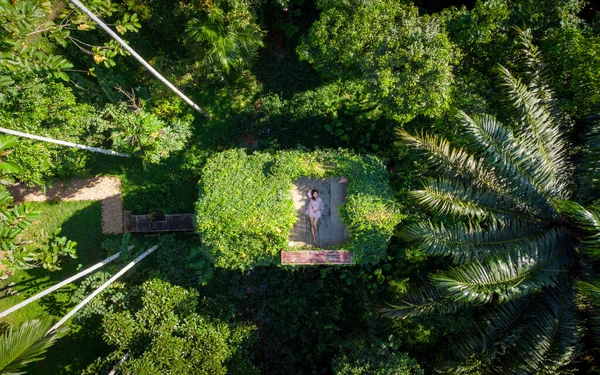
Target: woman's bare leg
(316, 229)
(313, 228)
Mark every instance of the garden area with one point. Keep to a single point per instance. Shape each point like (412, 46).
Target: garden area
(453, 148)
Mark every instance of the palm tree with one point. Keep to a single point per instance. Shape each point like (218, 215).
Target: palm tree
(26, 343)
(228, 40)
(515, 242)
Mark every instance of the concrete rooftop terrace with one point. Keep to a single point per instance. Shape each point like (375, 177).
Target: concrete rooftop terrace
(331, 230)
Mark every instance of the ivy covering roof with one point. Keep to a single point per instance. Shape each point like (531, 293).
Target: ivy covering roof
(245, 210)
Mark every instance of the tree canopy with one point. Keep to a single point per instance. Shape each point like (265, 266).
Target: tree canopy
(514, 239)
(405, 59)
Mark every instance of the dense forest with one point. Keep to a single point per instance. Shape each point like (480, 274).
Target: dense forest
(468, 133)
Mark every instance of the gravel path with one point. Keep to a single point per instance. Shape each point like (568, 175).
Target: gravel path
(105, 189)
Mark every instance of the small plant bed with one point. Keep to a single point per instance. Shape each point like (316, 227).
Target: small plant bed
(245, 212)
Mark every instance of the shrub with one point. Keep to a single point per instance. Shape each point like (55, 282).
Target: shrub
(164, 331)
(375, 360)
(245, 212)
(145, 134)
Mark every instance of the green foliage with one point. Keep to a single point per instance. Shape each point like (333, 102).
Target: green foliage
(17, 255)
(111, 298)
(245, 212)
(51, 110)
(23, 50)
(33, 31)
(485, 36)
(26, 343)
(164, 332)
(172, 265)
(227, 35)
(302, 318)
(377, 359)
(5, 144)
(198, 262)
(502, 218)
(48, 255)
(405, 59)
(144, 133)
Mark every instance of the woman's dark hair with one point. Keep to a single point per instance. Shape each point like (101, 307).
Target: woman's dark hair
(312, 194)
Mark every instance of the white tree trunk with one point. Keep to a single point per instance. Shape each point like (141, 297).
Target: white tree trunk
(61, 284)
(101, 288)
(62, 143)
(138, 57)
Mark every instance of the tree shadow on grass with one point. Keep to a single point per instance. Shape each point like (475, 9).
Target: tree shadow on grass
(74, 352)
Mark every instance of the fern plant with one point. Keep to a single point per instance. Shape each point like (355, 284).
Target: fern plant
(516, 242)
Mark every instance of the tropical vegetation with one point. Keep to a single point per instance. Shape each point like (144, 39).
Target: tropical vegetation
(516, 239)
(467, 130)
(245, 212)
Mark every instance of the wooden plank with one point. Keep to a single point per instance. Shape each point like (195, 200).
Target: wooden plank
(317, 257)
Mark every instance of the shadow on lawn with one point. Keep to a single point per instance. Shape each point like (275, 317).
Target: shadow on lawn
(74, 352)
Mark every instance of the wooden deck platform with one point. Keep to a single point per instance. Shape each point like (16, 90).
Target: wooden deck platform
(305, 258)
(145, 224)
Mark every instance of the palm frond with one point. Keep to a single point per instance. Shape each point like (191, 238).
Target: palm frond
(551, 337)
(588, 220)
(504, 278)
(533, 66)
(511, 161)
(468, 242)
(592, 291)
(492, 335)
(457, 199)
(588, 167)
(26, 343)
(443, 157)
(537, 77)
(421, 302)
(540, 134)
(203, 30)
(538, 334)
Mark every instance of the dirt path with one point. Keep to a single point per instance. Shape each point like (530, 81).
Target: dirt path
(105, 189)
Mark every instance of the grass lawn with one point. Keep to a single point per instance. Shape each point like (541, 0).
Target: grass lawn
(81, 222)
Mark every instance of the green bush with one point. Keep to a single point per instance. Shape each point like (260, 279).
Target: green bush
(375, 360)
(245, 212)
(144, 133)
(166, 332)
(49, 110)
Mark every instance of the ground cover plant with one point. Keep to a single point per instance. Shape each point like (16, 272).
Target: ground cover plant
(245, 211)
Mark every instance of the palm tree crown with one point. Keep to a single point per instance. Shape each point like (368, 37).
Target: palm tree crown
(228, 40)
(26, 343)
(516, 243)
